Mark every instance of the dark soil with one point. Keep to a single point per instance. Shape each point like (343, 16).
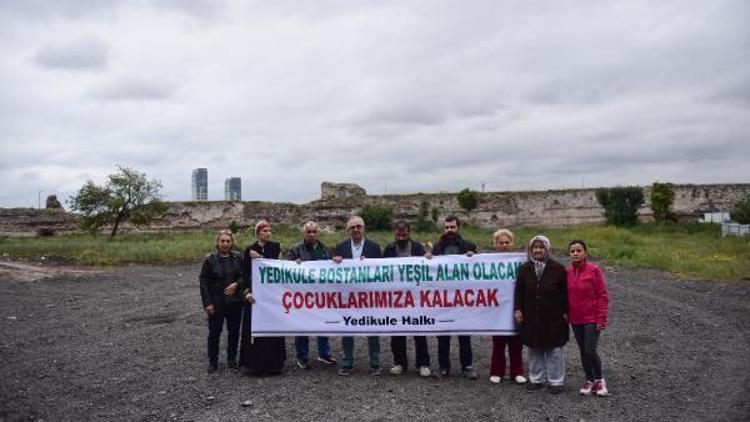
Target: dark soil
(129, 344)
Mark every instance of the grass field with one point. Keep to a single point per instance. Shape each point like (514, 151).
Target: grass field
(690, 249)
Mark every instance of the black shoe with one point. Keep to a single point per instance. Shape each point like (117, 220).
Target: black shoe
(212, 367)
(328, 360)
(443, 373)
(533, 386)
(232, 364)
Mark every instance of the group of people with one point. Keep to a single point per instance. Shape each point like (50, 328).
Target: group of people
(548, 299)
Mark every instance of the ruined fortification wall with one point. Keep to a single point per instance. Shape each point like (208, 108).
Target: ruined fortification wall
(553, 208)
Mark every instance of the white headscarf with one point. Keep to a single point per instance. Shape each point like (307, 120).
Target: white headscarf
(539, 265)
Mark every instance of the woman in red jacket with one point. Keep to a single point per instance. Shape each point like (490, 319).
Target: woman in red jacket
(587, 306)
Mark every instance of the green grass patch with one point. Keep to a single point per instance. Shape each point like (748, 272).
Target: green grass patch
(695, 250)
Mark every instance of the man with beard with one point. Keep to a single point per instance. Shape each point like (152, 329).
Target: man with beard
(402, 247)
(451, 243)
(310, 249)
(357, 247)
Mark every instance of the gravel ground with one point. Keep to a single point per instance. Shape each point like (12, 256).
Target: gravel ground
(128, 344)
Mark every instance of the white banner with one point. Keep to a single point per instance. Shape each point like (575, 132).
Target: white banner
(452, 294)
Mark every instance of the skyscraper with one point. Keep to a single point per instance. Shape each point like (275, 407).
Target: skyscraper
(200, 184)
(233, 189)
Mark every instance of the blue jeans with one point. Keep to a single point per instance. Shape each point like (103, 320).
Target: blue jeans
(302, 345)
(233, 316)
(373, 346)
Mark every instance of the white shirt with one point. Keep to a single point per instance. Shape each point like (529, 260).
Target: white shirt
(357, 249)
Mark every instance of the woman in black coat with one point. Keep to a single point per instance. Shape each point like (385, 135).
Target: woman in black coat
(260, 355)
(222, 297)
(541, 307)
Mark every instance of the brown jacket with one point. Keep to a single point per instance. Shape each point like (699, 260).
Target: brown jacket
(543, 303)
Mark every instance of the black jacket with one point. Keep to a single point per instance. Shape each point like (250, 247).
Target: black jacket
(463, 245)
(216, 274)
(416, 249)
(543, 303)
(369, 250)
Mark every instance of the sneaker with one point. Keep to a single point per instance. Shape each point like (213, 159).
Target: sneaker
(328, 360)
(397, 370)
(600, 387)
(345, 371)
(376, 372)
(533, 386)
(303, 364)
(424, 371)
(555, 389)
(496, 379)
(520, 379)
(586, 389)
(443, 372)
(470, 373)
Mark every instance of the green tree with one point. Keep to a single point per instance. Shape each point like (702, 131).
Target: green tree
(741, 212)
(620, 204)
(378, 217)
(468, 199)
(424, 224)
(662, 199)
(128, 195)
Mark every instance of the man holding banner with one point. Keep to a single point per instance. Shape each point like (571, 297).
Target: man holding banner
(451, 243)
(310, 249)
(357, 247)
(404, 246)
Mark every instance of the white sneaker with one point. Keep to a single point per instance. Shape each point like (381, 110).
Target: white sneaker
(600, 388)
(424, 371)
(397, 370)
(586, 389)
(520, 379)
(495, 379)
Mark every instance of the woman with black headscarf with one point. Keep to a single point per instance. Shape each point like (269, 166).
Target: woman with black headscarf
(541, 307)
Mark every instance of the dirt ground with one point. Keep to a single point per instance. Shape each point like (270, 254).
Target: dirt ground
(128, 343)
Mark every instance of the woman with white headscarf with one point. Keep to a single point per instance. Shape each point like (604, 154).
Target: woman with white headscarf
(541, 307)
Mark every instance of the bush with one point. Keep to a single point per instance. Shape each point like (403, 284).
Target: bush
(620, 204)
(424, 224)
(662, 199)
(468, 199)
(741, 212)
(378, 217)
(234, 227)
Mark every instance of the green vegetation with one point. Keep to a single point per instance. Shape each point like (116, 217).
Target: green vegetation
(690, 249)
(128, 195)
(468, 199)
(378, 217)
(424, 224)
(741, 212)
(662, 199)
(620, 204)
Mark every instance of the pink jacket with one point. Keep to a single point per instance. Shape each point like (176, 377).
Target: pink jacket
(588, 301)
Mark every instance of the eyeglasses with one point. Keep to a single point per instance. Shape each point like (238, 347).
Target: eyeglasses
(503, 242)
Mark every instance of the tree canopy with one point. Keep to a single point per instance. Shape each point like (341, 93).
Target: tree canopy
(128, 195)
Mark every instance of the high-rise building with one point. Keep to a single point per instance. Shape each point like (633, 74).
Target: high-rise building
(233, 189)
(200, 184)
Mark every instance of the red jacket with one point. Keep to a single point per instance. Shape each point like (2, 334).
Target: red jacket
(588, 301)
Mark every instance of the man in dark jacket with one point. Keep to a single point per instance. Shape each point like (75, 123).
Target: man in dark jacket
(404, 246)
(451, 243)
(310, 249)
(357, 247)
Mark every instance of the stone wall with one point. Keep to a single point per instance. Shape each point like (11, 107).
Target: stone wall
(553, 208)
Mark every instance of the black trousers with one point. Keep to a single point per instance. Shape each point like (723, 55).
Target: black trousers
(464, 352)
(587, 337)
(398, 348)
(233, 315)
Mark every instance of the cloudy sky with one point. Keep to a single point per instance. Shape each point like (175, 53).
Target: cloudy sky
(397, 96)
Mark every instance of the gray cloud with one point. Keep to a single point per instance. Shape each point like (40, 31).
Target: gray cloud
(80, 54)
(132, 89)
